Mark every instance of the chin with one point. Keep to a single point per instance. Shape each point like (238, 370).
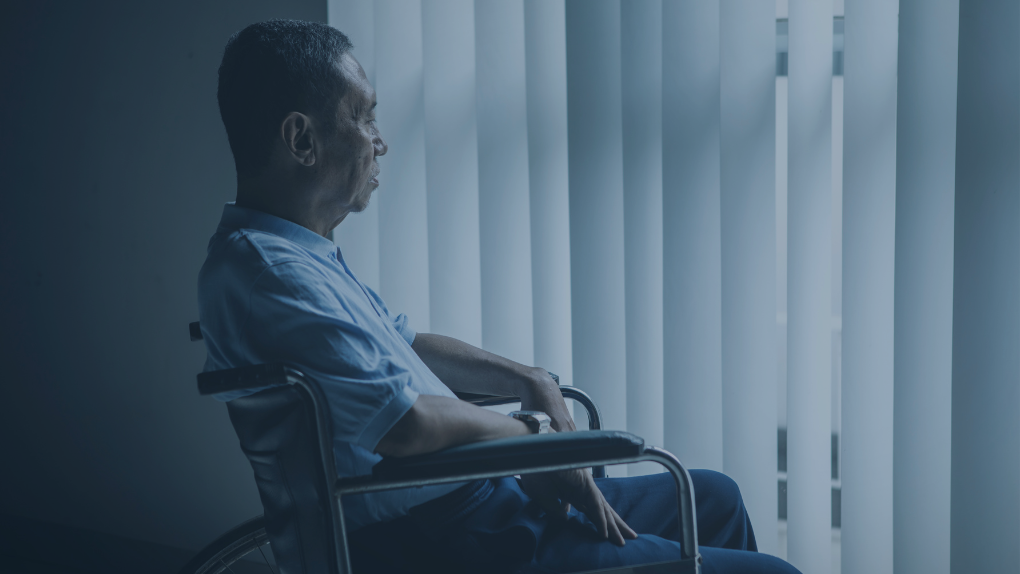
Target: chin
(362, 203)
(359, 206)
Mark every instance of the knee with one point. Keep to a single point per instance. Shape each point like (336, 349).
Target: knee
(728, 489)
(721, 490)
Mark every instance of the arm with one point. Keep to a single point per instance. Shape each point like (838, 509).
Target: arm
(466, 368)
(434, 423)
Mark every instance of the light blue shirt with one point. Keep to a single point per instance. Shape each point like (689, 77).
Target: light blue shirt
(272, 291)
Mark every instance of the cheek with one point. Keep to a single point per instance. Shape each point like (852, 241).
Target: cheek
(368, 156)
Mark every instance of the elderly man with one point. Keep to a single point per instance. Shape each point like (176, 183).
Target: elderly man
(300, 117)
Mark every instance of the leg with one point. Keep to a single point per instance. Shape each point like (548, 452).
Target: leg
(648, 505)
(722, 519)
(573, 547)
(499, 530)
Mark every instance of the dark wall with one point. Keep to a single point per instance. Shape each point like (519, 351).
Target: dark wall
(113, 170)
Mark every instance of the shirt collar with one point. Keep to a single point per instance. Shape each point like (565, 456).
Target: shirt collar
(235, 217)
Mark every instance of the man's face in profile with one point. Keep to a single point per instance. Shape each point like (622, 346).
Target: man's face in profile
(350, 162)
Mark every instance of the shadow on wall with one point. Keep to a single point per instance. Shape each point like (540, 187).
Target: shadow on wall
(114, 170)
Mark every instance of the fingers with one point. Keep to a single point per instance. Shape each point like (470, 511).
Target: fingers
(613, 531)
(603, 517)
(607, 521)
(625, 530)
(580, 488)
(595, 510)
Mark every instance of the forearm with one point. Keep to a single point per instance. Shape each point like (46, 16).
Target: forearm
(435, 423)
(466, 368)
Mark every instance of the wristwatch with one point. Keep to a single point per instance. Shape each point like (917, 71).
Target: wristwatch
(537, 421)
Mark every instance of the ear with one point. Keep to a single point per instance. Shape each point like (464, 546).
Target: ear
(299, 138)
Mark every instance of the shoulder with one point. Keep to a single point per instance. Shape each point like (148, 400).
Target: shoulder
(243, 262)
(250, 275)
(245, 254)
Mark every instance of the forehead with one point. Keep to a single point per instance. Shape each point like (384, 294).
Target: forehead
(359, 90)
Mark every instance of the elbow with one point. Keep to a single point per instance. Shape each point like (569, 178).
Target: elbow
(407, 436)
(398, 447)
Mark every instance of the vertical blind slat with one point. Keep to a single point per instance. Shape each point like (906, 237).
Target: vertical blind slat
(641, 74)
(594, 112)
(809, 290)
(869, 233)
(403, 237)
(925, 191)
(985, 497)
(507, 325)
(692, 299)
(546, 68)
(748, 235)
(451, 161)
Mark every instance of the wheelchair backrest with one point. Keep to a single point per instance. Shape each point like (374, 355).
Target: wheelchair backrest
(277, 431)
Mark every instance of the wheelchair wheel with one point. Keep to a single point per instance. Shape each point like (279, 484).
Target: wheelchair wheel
(238, 550)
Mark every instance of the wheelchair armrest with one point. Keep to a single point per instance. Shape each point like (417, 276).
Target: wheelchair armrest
(250, 377)
(514, 454)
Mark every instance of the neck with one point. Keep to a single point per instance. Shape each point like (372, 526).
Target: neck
(288, 200)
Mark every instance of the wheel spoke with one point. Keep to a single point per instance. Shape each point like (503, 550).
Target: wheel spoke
(266, 559)
(238, 542)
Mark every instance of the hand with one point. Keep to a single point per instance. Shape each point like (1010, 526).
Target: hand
(543, 394)
(556, 491)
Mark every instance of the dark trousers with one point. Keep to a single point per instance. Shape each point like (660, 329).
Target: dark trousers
(493, 527)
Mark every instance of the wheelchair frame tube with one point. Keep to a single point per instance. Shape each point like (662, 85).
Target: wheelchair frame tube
(342, 552)
(686, 512)
(685, 498)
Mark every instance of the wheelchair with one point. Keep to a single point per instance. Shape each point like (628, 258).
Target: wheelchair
(284, 430)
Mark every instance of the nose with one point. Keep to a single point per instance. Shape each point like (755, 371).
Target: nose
(380, 145)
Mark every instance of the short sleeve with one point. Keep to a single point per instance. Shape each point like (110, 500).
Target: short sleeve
(399, 321)
(295, 320)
